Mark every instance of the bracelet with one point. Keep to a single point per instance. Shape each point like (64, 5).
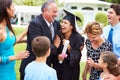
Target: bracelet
(4, 59)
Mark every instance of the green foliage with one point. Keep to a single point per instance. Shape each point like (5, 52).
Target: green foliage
(101, 17)
(18, 2)
(60, 4)
(18, 48)
(18, 30)
(31, 2)
(81, 16)
(112, 1)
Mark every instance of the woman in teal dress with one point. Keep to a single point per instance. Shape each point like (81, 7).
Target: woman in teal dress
(7, 42)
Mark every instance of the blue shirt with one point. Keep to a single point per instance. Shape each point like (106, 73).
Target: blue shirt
(99, 78)
(116, 37)
(39, 71)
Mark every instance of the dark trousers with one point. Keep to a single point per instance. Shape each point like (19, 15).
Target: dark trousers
(21, 77)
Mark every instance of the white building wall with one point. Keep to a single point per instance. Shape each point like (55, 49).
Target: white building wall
(89, 15)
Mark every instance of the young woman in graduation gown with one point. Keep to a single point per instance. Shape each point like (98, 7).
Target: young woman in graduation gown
(69, 69)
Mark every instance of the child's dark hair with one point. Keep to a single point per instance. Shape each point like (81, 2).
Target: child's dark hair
(40, 45)
(112, 62)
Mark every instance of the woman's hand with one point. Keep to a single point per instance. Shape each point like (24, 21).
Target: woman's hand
(57, 41)
(90, 62)
(20, 55)
(61, 57)
(84, 75)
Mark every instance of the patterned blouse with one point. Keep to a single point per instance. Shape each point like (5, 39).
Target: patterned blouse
(95, 54)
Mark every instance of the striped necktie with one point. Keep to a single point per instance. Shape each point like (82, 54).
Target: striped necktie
(51, 30)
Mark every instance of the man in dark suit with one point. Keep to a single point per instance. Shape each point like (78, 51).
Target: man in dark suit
(40, 27)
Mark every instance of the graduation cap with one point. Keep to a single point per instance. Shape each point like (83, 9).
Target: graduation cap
(72, 18)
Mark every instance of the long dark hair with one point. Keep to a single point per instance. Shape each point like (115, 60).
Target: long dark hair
(112, 61)
(4, 4)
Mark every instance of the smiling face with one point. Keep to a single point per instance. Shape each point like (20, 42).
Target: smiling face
(92, 37)
(66, 26)
(93, 31)
(11, 11)
(51, 12)
(112, 17)
(101, 63)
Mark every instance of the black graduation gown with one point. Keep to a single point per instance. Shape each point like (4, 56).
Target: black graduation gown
(70, 68)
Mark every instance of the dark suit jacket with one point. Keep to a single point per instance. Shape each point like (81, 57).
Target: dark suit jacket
(38, 27)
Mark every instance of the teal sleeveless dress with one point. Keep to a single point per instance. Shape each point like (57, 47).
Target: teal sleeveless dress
(7, 71)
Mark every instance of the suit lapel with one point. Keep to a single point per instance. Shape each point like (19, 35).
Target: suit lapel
(45, 28)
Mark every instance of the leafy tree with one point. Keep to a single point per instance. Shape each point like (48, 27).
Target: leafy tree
(33, 2)
(119, 1)
(101, 17)
(18, 2)
(30, 2)
(112, 1)
(81, 16)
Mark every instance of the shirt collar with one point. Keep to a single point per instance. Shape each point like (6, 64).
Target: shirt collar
(116, 26)
(47, 22)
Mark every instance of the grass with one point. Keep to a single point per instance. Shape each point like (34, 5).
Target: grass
(21, 47)
(18, 48)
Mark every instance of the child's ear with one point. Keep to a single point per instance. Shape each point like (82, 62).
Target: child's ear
(48, 52)
(8, 10)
